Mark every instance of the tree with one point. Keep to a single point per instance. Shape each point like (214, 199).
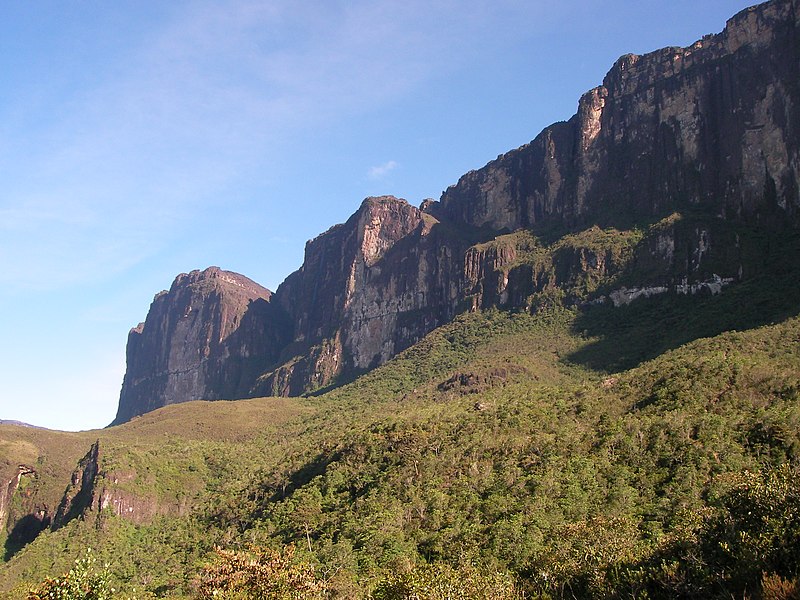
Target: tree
(443, 582)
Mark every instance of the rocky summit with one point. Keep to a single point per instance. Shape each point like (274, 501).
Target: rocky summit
(205, 338)
(679, 174)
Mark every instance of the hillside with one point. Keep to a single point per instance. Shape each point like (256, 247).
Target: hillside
(497, 441)
(576, 375)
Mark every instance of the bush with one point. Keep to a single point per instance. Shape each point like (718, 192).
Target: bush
(259, 574)
(442, 582)
(758, 529)
(81, 583)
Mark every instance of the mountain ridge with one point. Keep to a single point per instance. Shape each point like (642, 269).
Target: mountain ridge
(695, 147)
(601, 402)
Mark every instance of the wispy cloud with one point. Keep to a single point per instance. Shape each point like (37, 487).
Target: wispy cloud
(206, 97)
(382, 171)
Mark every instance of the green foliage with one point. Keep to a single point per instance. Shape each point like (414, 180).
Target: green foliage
(494, 443)
(443, 582)
(757, 528)
(82, 582)
(259, 574)
(745, 539)
(580, 555)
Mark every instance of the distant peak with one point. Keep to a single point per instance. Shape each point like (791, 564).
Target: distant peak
(218, 277)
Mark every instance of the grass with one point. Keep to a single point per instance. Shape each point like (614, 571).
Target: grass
(578, 443)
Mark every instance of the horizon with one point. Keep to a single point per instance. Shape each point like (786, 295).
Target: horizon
(153, 140)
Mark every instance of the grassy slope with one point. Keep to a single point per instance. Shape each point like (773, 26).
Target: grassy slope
(400, 467)
(500, 439)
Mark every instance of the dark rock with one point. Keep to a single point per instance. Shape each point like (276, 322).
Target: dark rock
(713, 126)
(207, 338)
(475, 383)
(79, 495)
(367, 289)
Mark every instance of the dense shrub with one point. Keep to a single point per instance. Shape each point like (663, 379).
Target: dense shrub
(259, 574)
(443, 582)
(82, 582)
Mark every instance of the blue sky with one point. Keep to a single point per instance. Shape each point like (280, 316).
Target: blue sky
(139, 140)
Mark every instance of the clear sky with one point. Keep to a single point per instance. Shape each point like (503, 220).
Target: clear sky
(141, 139)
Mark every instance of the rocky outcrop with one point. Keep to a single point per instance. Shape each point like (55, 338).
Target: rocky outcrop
(7, 491)
(476, 383)
(673, 176)
(80, 493)
(95, 490)
(207, 338)
(367, 289)
(713, 126)
(22, 514)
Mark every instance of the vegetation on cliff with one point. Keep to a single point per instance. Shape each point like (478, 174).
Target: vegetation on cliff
(505, 452)
(609, 407)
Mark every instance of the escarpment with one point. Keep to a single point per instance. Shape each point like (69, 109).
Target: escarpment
(679, 174)
(713, 127)
(206, 338)
(367, 289)
(23, 514)
(97, 486)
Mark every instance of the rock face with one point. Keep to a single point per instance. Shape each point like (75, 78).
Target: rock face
(93, 490)
(669, 178)
(22, 515)
(367, 289)
(208, 337)
(80, 493)
(711, 126)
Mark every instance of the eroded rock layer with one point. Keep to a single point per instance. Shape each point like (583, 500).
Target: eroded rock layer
(712, 126)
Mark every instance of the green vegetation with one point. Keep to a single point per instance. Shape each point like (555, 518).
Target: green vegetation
(443, 582)
(648, 451)
(82, 582)
(259, 573)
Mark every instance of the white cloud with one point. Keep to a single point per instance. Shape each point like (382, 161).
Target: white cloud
(382, 171)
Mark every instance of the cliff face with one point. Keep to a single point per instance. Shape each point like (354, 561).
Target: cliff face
(80, 493)
(206, 338)
(23, 520)
(367, 289)
(94, 489)
(668, 179)
(712, 126)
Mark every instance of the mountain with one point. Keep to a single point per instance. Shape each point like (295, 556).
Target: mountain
(205, 338)
(678, 174)
(577, 374)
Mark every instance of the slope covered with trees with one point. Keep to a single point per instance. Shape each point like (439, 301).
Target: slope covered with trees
(496, 452)
(575, 376)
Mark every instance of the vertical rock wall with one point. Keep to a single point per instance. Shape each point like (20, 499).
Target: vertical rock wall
(691, 144)
(207, 338)
(714, 126)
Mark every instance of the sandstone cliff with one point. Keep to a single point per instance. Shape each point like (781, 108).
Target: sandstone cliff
(367, 289)
(675, 175)
(712, 126)
(94, 488)
(206, 338)
(23, 520)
